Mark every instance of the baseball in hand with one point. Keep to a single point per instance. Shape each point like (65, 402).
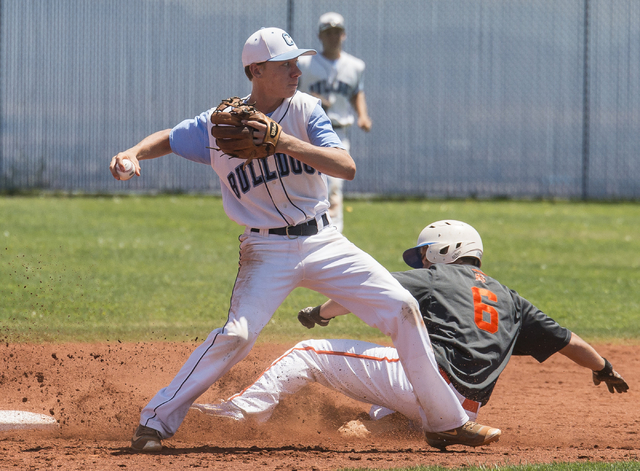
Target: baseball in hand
(129, 170)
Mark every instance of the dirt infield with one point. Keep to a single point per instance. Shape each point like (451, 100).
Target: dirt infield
(549, 412)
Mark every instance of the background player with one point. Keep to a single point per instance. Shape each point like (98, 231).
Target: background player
(288, 242)
(475, 325)
(336, 77)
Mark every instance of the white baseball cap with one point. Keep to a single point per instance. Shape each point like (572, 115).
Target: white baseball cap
(271, 44)
(330, 20)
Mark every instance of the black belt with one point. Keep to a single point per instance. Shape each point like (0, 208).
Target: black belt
(303, 229)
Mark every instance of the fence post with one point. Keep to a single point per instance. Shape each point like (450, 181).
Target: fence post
(3, 178)
(290, 18)
(585, 105)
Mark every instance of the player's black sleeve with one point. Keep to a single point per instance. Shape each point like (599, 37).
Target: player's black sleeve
(540, 336)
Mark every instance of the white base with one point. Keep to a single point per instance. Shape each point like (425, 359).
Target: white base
(21, 420)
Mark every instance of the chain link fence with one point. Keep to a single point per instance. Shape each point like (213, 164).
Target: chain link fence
(469, 98)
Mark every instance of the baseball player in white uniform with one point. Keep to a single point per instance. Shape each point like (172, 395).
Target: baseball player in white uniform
(336, 77)
(473, 335)
(288, 242)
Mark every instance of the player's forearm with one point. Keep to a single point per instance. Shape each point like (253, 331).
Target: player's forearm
(153, 146)
(359, 104)
(328, 160)
(332, 309)
(583, 354)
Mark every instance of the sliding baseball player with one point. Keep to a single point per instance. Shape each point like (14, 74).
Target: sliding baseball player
(475, 325)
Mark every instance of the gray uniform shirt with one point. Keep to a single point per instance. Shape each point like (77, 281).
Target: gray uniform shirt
(475, 324)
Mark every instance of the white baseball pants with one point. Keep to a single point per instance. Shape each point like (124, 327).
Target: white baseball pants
(360, 370)
(272, 266)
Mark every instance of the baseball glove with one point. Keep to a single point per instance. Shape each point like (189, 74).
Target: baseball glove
(611, 378)
(310, 316)
(235, 138)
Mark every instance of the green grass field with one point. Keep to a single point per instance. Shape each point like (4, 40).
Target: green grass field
(94, 269)
(156, 268)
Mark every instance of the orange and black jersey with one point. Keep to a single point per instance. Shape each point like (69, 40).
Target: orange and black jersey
(475, 324)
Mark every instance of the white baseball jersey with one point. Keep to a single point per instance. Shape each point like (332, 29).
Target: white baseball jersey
(337, 80)
(273, 193)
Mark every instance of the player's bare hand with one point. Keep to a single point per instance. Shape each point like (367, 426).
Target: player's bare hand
(116, 160)
(609, 376)
(364, 123)
(259, 131)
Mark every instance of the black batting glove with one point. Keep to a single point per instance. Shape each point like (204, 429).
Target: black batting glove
(611, 378)
(310, 316)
